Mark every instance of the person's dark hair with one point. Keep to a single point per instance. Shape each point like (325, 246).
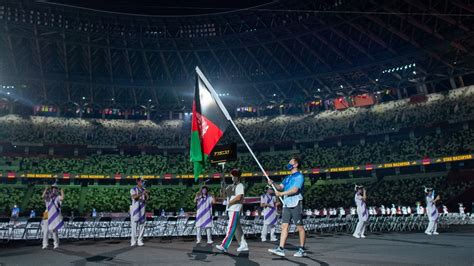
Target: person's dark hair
(236, 173)
(298, 160)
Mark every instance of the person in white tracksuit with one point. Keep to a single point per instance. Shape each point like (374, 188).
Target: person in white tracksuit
(235, 199)
(431, 211)
(360, 199)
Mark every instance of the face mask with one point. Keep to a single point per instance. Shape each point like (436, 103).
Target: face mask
(289, 166)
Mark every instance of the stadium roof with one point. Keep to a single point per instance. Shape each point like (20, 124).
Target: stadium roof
(293, 49)
(163, 7)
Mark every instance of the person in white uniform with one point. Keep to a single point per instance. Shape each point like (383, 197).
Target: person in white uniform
(139, 196)
(360, 199)
(204, 202)
(269, 203)
(52, 217)
(432, 211)
(462, 209)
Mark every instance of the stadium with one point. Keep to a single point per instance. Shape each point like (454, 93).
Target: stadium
(114, 110)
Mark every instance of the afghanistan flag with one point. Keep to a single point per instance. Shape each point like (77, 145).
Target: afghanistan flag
(208, 124)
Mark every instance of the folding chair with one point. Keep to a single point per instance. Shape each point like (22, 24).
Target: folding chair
(190, 226)
(149, 225)
(32, 228)
(18, 229)
(75, 228)
(318, 224)
(125, 228)
(247, 223)
(159, 226)
(220, 225)
(309, 223)
(5, 229)
(115, 228)
(258, 224)
(181, 225)
(332, 223)
(170, 226)
(102, 227)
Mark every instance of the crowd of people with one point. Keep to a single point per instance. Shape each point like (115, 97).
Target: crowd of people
(455, 105)
(447, 142)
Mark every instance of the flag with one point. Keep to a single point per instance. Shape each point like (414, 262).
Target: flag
(207, 126)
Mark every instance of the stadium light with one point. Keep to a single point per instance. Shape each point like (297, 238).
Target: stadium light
(8, 93)
(376, 80)
(414, 72)
(83, 97)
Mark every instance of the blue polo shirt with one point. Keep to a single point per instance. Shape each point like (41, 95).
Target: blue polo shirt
(294, 180)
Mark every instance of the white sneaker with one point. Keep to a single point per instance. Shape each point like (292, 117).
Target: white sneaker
(264, 240)
(277, 251)
(133, 244)
(274, 239)
(198, 242)
(44, 247)
(362, 236)
(428, 233)
(243, 248)
(435, 233)
(300, 253)
(56, 246)
(221, 248)
(140, 244)
(356, 236)
(210, 242)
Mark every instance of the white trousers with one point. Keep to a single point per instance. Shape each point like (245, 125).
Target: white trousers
(208, 231)
(360, 228)
(46, 233)
(265, 231)
(138, 230)
(432, 227)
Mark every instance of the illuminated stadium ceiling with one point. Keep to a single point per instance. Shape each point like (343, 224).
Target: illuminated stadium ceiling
(289, 50)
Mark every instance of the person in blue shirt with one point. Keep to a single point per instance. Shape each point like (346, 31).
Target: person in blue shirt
(291, 189)
(15, 212)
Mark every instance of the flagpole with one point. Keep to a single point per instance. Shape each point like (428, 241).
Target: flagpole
(228, 117)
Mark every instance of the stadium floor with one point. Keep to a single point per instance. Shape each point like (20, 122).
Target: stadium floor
(453, 247)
